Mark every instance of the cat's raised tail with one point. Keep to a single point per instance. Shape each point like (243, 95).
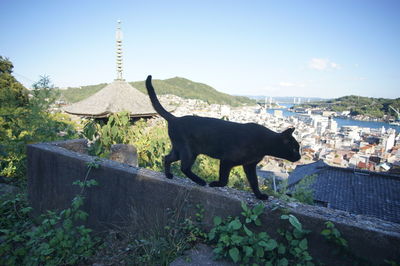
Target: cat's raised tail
(155, 102)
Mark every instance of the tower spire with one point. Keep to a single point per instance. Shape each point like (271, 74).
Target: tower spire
(118, 37)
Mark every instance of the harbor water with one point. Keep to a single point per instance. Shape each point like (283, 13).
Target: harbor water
(341, 121)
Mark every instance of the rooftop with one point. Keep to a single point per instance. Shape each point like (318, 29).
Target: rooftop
(355, 191)
(115, 97)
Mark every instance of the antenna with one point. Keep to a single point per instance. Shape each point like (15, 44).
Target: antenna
(118, 37)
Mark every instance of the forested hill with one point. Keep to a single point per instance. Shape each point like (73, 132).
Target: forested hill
(358, 105)
(178, 86)
(72, 95)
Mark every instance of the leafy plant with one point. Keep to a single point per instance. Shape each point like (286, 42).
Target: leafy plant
(159, 245)
(303, 191)
(332, 234)
(25, 121)
(340, 245)
(102, 136)
(297, 243)
(55, 240)
(15, 223)
(236, 240)
(194, 233)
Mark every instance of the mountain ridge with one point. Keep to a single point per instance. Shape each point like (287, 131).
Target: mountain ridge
(178, 86)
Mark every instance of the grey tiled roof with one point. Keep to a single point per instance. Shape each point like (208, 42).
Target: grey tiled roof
(359, 192)
(116, 97)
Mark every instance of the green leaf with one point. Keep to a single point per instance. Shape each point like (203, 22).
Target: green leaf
(283, 262)
(114, 131)
(297, 233)
(248, 251)
(217, 220)
(297, 250)
(326, 232)
(271, 245)
(262, 243)
(263, 235)
(336, 232)
(218, 250)
(125, 119)
(211, 234)
(244, 206)
(294, 242)
(26, 210)
(288, 236)
(235, 224)
(329, 224)
(247, 231)
(224, 238)
(258, 209)
(281, 249)
(260, 252)
(5, 231)
(303, 244)
(343, 242)
(234, 254)
(284, 217)
(293, 221)
(236, 239)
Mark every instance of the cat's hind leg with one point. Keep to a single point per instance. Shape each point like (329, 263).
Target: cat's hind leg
(250, 170)
(224, 170)
(187, 161)
(173, 156)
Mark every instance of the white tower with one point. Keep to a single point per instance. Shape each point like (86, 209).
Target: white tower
(118, 37)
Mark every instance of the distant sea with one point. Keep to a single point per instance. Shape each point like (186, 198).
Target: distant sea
(342, 122)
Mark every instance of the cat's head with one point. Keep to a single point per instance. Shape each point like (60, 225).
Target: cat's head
(289, 148)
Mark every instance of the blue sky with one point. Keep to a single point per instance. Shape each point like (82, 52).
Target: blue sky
(274, 48)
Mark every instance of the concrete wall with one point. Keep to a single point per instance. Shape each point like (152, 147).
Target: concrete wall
(141, 199)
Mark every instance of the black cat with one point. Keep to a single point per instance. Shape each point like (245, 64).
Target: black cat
(232, 143)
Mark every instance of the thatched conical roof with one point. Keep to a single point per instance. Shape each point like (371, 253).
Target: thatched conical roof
(115, 97)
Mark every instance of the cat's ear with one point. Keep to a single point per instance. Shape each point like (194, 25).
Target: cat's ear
(288, 132)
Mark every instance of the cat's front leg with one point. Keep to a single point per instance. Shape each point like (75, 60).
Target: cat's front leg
(250, 170)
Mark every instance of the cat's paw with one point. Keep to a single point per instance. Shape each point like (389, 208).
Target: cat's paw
(202, 183)
(262, 196)
(169, 176)
(216, 184)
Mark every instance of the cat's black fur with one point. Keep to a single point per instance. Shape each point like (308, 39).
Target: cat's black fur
(232, 143)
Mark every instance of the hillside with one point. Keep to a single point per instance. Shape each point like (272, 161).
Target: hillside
(73, 95)
(178, 86)
(358, 105)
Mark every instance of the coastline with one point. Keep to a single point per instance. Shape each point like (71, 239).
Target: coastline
(345, 120)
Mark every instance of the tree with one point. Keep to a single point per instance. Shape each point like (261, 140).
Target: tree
(26, 120)
(12, 93)
(44, 94)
